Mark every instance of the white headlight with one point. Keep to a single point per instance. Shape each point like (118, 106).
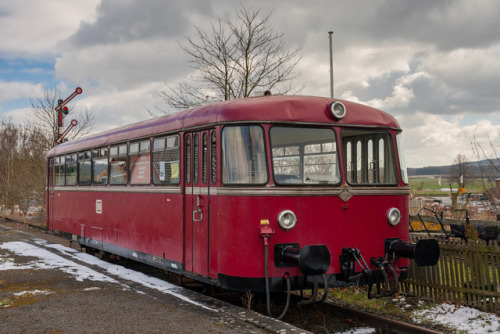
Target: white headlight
(393, 216)
(338, 110)
(287, 219)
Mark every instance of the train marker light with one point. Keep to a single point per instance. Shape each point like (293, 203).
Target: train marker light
(393, 216)
(287, 219)
(338, 110)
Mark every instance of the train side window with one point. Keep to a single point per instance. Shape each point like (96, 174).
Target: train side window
(244, 155)
(140, 163)
(59, 171)
(118, 165)
(100, 166)
(187, 152)
(84, 168)
(196, 159)
(166, 160)
(71, 169)
(213, 154)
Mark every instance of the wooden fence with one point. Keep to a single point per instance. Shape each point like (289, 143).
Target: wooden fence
(466, 273)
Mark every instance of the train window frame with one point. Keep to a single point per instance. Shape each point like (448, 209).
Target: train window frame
(368, 173)
(316, 148)
(100, 157)
(166, 160)
(118, 165)
(230, 179)
(84, 160)
(71, 163)
(139, 149)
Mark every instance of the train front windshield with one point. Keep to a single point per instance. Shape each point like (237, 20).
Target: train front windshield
(304, 156)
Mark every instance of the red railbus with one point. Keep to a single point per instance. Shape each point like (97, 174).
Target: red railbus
(265, 193)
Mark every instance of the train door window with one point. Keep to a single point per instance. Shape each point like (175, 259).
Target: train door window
(213, 154)
(187, 152)
(118, 165)
(100, 166)
(140, 163)
(304, 156)
(204, 159)
(369, 157)
(166, 160)
(196, 156)
(71, 167)
(59, 171)
(84, 168)
(244, 155)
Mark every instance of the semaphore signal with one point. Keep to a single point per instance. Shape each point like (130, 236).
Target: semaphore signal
(63, 110)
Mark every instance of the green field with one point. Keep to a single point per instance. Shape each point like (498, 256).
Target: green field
(429, 186)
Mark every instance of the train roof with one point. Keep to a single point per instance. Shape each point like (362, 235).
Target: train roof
(265, 109)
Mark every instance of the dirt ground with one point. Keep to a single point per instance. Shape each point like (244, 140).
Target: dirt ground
(52, 301)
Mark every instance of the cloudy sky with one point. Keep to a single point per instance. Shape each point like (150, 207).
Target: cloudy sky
(432, 64)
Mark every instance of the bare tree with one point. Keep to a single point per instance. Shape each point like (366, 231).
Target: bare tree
(461, 172)
(45, 118)
(489, 164)
(22, 166)
(235, 58)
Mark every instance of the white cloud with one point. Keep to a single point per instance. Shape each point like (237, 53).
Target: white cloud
(15, 90)
(432, 140)
(35, 27)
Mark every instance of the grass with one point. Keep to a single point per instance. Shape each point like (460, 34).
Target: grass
(429, 186)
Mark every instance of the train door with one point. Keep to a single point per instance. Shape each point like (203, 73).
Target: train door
(197, 201)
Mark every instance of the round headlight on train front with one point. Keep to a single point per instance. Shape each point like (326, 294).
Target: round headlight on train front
(393, 216)
(287, 219)
(338, 110)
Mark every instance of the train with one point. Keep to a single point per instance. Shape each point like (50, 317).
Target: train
(271, 193)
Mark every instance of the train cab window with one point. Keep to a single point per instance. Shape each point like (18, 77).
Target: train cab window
(59, 171)
(166, 160)
(84, 168)
(368, 157)
(100, 166)
(304, 156)
(71, 169)
(118, 165)
(402, 161)
(244, 155)
(139, 163)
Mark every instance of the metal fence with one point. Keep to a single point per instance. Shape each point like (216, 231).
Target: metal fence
(466, 273)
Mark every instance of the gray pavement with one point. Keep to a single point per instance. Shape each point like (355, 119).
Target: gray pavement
(37, 296)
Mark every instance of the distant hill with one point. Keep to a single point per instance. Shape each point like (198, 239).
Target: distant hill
(445, 170)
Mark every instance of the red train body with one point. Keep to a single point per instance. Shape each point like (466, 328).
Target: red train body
(200, 192)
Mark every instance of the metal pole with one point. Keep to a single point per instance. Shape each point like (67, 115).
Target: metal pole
(330, 33)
